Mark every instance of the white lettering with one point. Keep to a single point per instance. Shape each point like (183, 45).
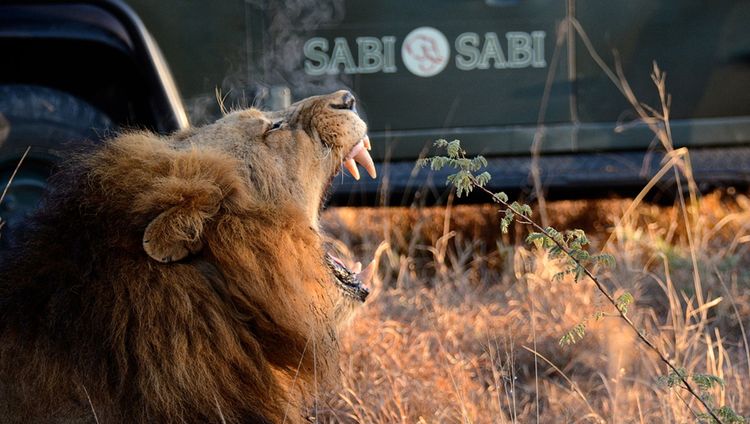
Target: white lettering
(537, 39)
(389, 55)
(492, 51)
(370, 55)
(524, 50)
(467, 53)
(341, 55)
(378, 54)
(373, 54)
(519, 49)
(315, 50)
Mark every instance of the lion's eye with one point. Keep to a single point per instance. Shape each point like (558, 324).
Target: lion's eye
(276, 125)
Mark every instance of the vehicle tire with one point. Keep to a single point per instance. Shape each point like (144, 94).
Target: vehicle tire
(49, 122)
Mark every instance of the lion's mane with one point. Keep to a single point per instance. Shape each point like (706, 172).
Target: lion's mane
(89, 324)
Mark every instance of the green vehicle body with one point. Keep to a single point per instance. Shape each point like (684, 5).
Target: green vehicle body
(490, 91)
(495, 74)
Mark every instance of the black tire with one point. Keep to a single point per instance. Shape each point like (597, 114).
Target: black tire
(50, 122)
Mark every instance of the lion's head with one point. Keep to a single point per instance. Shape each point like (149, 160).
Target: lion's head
(299, 150)
(289, 159)
(184, 278)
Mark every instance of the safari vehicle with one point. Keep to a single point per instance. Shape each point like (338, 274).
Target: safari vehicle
(71, 74)
(475, 70)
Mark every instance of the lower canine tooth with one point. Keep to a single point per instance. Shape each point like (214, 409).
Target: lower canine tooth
(366, 274)
(351, 166)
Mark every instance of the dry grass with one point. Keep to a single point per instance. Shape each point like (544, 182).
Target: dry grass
(458, 309)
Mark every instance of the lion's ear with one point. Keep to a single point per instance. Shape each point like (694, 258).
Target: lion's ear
(173, 235)
(199, 185)
(177, 231)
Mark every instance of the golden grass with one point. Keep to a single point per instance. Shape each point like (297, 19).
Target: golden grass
(458, 309)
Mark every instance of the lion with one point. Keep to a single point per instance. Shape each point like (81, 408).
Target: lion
(184, 278)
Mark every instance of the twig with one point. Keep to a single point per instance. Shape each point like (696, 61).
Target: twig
(523, 219)
(536, 144)
(13, 175)
(573, 385)
(737, 315)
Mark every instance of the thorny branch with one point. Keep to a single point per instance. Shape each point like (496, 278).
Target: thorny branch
(525, 220)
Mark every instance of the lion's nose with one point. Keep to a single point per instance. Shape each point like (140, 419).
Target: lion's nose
(347, 102)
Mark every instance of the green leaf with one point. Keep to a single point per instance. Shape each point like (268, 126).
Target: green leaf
(453, 149)
(501, 196)
(579, 236)
(728, 415)
(438, 163)
(518, 208)
(580, 272)
(673, 378)
(605, 260)
(574, 335)
(462, 164)
(725, 414)
(555, 251)
(555, 235)
(534, 237)
(623, 301)
(462, 181)
(483, 179)
(478, 163)
(579, 254)
(507, 220)
(707, 381)
(505, 224)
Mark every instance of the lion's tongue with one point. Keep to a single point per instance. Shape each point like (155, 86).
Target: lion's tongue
(360, 155)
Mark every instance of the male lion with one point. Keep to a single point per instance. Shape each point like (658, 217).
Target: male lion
(183, 278)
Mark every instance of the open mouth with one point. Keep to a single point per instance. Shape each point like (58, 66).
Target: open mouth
(353, 282)
(360, 155)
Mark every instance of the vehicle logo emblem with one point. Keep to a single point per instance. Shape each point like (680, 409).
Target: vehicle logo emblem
(425, 51)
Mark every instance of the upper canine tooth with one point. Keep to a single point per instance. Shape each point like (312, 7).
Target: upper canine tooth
(366, 142)
(363, 158)
(351, 166)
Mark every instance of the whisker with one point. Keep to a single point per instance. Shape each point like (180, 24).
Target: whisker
(218, 408)
(315, 381)
(296, 374)
(91, 404)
